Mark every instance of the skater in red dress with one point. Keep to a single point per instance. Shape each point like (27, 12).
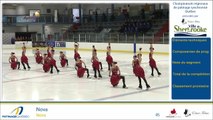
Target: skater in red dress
(152, 62)
(13, 60)
(24, 59)
(49, 54)
(80, 69)
(116, 75)
(38, 56)
(46, 63)
(94, 54)
(109, 58)
(63, 59)
(95, 65)
(139, 72)
(76, 54)
(52, 60)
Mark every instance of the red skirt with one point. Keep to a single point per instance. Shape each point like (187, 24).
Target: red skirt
(115, 80)
(80, 72)
(53, 62)
(76, 56)
(13, 65)
(109, 59)
(24, 59)
(39, 59)
(95, 64)
(46, 67)
(152, 63)
(138, 71)
(63, 62)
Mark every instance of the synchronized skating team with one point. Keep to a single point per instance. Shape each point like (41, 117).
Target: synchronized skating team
(48, 62)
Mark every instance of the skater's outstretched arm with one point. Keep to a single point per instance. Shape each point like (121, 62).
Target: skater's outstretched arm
(132, 63)
(91, 60)
(9, 59)
(119, 72)
(76, 68)
(16, 59)
(65, 57)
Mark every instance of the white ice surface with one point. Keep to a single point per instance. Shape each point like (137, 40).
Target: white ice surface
(35, 85)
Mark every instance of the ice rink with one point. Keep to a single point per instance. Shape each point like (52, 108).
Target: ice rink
(35, 85)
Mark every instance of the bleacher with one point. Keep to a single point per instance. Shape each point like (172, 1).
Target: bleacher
(141, 30)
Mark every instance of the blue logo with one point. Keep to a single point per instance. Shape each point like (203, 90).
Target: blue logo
(51, 43)
(18, 110)
(16, 113)
(60, 44)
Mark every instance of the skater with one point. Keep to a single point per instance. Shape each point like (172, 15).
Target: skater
(94, 51)
(139, 72)
(94, 54)
(140, 55)
(13, 60)
(24, 47)
(24, 59)
(76, 54)
(116, 75)
(46, 63)
(38, 56)
(109, 58)
(109, 48)
(50, 55)
(63, 59)
(80, 69)
(95, 65)
(152, 62)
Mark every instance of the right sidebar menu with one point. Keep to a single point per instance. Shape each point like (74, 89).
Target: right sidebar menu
(191, 68)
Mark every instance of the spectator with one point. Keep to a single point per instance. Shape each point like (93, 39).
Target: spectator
(112, 17)
(90, 18)
(13, 40)
(96, 16)
(104, 17)
(143, 13)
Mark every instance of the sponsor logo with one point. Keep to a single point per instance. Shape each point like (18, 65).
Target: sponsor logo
(60, 44)
(189, 28)
(16, 113)
(173, 114)
(200, 113)
(187, 113)
(50, 43)
(25, 19)
(183, 21)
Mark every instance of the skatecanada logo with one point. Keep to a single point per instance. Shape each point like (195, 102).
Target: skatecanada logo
(18, 110)
(16, 113)
(190, 28)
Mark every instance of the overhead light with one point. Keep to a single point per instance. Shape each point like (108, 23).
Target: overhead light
(37, 14)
